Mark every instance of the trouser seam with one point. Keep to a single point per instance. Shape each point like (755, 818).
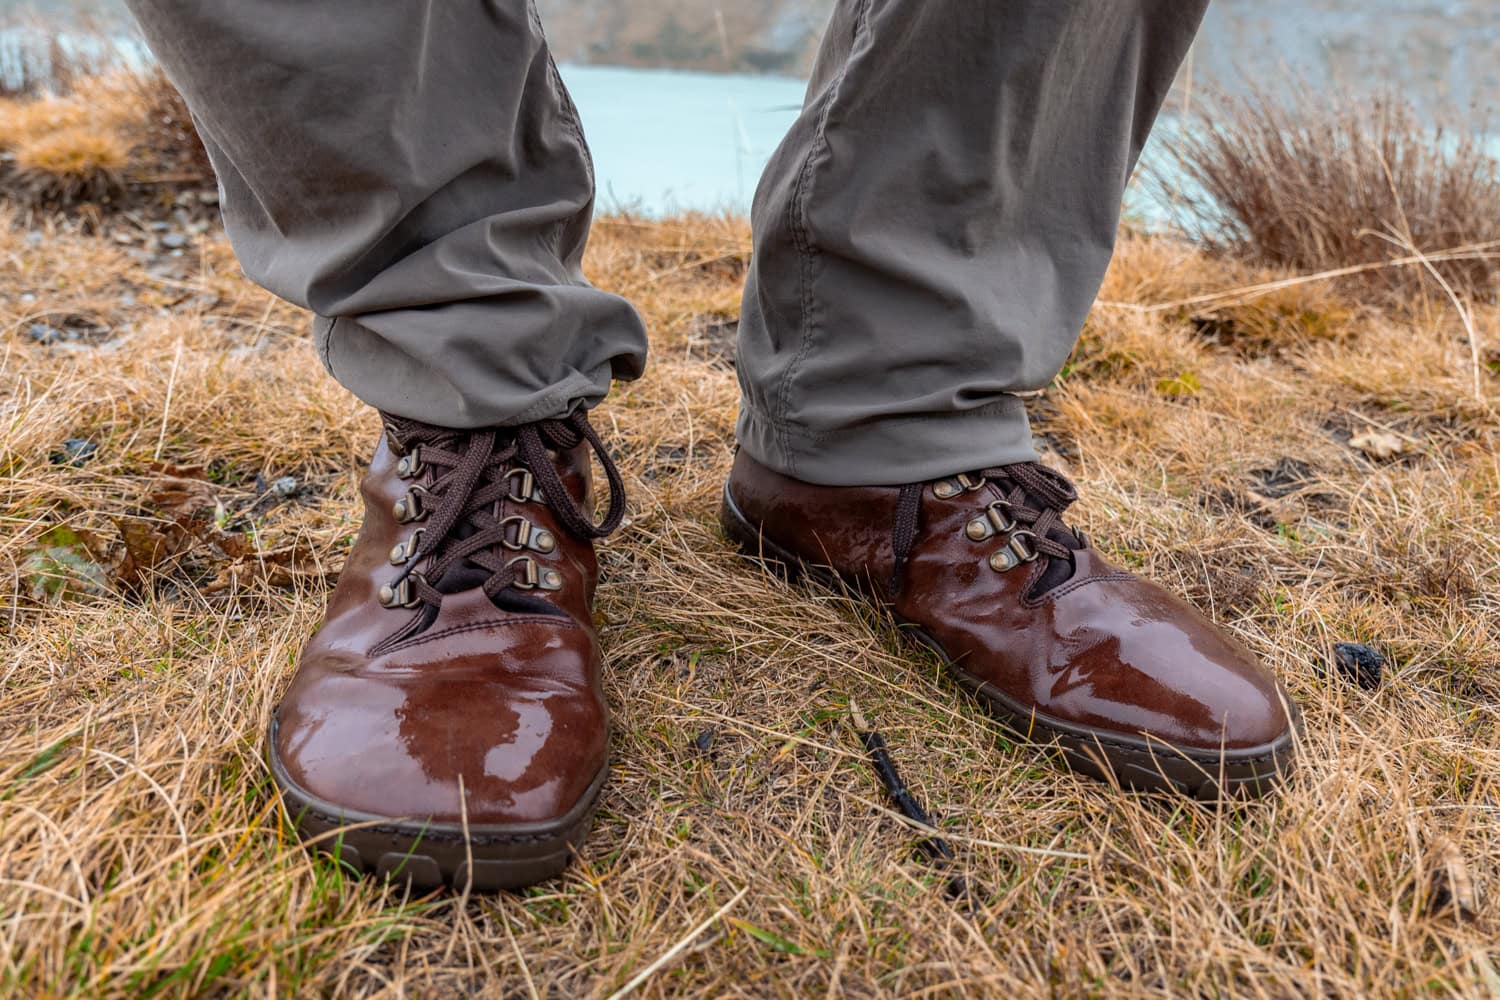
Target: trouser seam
(325, 348)
(568, 111)
(802, 240)
(564, 99)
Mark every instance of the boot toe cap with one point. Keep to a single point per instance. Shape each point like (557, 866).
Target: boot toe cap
(480, 754)
(1167, 673)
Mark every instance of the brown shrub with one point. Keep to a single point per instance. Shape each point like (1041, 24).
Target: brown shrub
(127, 132)
(165, 134)
(1315, 185)
(23, 120)
(70, 165)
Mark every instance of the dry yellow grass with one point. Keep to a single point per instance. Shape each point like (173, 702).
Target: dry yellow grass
(70, 165)
(25, 121)
(141, 850)
(86, 146)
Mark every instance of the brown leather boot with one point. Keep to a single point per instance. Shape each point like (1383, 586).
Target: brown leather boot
(451, 701)
(1125, 678)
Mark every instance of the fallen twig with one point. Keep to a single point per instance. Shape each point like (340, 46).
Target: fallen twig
(935, 848)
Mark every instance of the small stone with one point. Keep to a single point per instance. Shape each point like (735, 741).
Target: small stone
(28, 297)
(159, 227)
(174, 241)
(44, 334)
(1358, 664)
(285, 486)
(704, 741)
(208, 197)
(75, 452)
(1378, 445)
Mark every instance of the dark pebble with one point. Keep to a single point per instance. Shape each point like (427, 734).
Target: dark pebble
(75, 452)
(1358, 664)
(705, 741)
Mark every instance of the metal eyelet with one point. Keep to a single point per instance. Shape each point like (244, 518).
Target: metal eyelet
(534, 577)
(947, 489)
(528, 491)
(410, 464)
(405, 550)
(392, 442)
(1017, 551)
(994, 522)
(402, 594)
(409, 508)
(528, 536)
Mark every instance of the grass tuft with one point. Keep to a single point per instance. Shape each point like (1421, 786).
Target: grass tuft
(71, 165)
(1311, 184)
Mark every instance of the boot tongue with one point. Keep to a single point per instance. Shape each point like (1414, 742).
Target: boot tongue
(1048, 488)
(462, 575)
(465, 575)
(1058, 571)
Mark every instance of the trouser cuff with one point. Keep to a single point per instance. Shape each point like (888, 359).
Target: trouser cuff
(892, 452)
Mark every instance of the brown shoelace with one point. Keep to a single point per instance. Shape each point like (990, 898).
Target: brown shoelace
(473, 471)
(1036, 500)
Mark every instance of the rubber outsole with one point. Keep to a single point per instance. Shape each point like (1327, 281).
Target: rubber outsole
(429, 855)
(1131, 761)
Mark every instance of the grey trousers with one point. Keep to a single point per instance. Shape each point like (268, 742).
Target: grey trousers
(928, 237)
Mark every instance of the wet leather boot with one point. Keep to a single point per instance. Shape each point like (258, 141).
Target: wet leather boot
(1127, 680)
(446, 724)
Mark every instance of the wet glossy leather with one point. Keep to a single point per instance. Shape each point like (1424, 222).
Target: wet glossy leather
(386, 725)
(1105, 649)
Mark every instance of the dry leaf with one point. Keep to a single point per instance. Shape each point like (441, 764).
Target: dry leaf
(146, 544)
(283, 567)
(180, 498)
(174, 471)
(184, 515)
(1379, 445)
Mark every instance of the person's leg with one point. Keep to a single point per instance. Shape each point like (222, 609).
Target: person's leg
(930, 235)
(413, 173)
(928, 241)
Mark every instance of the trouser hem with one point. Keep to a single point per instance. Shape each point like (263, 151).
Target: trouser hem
(892, 452)
(395, 383)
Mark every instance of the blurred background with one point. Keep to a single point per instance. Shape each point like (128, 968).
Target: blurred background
(684, 100)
